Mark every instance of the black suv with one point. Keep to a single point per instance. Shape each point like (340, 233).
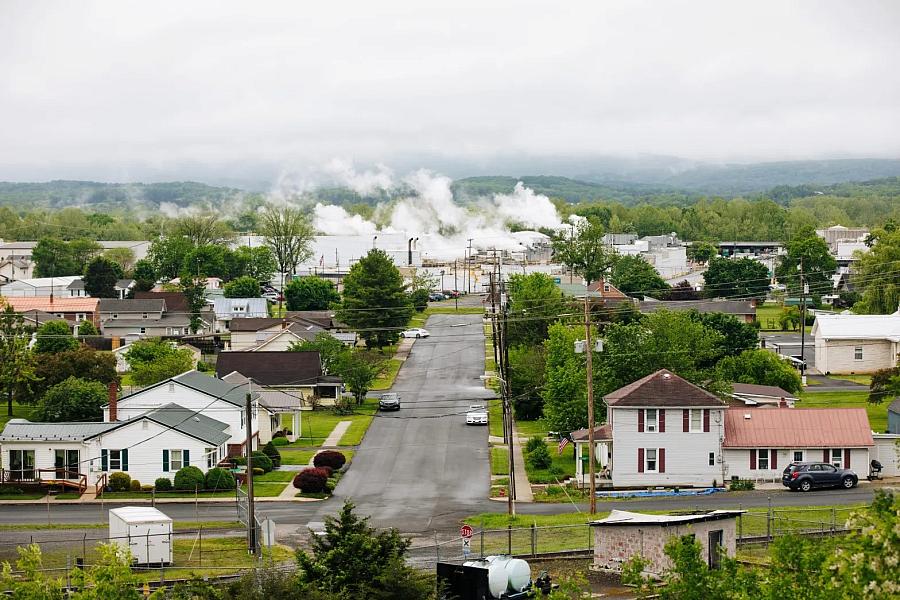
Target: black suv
(805, 476)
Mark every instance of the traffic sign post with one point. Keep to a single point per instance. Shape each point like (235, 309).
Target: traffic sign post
(466, 531)
(467, 546)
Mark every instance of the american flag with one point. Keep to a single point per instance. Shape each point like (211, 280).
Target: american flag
(563, 441)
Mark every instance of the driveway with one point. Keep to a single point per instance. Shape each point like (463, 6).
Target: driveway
(788, 344)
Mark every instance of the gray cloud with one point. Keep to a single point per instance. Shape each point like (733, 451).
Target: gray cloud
(130, 90)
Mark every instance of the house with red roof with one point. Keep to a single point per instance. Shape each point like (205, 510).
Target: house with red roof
(760, 442)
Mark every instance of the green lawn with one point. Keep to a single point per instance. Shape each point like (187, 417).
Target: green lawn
(495, 417)
(386, 379)
(499, 461)
(275, 476)
(530, 429)
(20, 411)
(267, 490)
(296, 457)
(860, 379)
(768, 315)
(877, 412)
(318, 424)
(564, 462)
(148, 495)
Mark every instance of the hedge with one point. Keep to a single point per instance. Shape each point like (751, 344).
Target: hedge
(119, 482)
(189, 478)
(330, 458)
(311, 481)
(163, 484)
(219, 479)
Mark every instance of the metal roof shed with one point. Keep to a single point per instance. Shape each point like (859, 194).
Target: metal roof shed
(144, 531)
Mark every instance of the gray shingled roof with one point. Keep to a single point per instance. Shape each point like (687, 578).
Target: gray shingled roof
(212, 386)
(114, 305)
(23, 430)
(189, 422)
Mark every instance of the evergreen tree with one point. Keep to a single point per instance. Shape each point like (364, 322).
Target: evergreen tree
(375, 300)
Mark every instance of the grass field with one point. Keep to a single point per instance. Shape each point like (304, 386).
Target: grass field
(860, 379)
(530, 429)
(386, 379)
(296, 457)
(273, 476)
(499, 461)
(768, 315)
(495, 417)
(318, 424)
(20, 411)
(877, 412)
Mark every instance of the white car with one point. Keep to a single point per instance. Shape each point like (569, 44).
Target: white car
(476, 415)
(414, 333)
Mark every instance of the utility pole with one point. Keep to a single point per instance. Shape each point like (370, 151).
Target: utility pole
(803, 291)
(469, 268)
(251, 516)
(507, 408)
(589, 352)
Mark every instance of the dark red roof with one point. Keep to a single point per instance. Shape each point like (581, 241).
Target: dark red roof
(664, 389)
(176, 302)
(272, 368)
(797, 428)
(601, 432)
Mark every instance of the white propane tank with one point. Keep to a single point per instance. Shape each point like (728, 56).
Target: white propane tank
(497, 579)
(512, 574)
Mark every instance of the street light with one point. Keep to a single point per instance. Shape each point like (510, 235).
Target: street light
(374, 237)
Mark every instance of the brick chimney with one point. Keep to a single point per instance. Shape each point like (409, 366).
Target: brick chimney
(782, 403)
(113, 402)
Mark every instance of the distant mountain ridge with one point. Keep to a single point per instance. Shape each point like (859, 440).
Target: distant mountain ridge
(657, 181)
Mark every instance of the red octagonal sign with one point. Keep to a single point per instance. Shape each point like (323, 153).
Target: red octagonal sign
(466, 531)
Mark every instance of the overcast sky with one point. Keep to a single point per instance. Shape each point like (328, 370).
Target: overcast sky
(151, 90)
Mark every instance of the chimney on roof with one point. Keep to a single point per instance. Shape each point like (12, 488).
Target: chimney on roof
(113, 401)
(782, 403)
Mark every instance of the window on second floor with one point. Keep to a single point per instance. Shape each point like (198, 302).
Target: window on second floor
(696, 420)
(651, 419)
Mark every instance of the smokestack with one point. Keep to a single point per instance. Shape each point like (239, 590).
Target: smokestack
(409, 252)
(113, 401)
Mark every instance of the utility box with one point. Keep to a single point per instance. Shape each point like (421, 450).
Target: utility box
(144, 531)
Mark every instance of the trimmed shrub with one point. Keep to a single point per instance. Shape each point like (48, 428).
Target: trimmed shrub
(262, 461)
(239, 461)
(258, 471)
(330, 458)
(147, 488)
(280, 441)
(741, 485)
(189, 478)
(272, 452)
(135, 485)
(539, 458)
(311, 481)
(219, 479)
(328, 470)
(119, 482)
(533, 444)
(11, 491)
(163, 484)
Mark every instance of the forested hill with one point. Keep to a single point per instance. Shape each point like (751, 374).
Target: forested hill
(97, 196)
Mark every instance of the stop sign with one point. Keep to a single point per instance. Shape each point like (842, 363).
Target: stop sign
(466, 531)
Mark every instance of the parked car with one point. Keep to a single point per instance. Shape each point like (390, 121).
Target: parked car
(389, 401)
(805, 476)
(450, 293)
(415, 333)
(271, 296)
(476, 415)
(436, 297)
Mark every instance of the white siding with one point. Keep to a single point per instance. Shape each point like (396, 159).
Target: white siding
(838, 356)
(152, 398)
(45, 454)
(887, 452)
(145, 459)
(687, 454)
(738, 462)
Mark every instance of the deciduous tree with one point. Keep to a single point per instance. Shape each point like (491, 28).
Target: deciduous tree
(584, 250)
(72, 400)
(310, 293)
(740, 278)
(288, 233)
(16, 360)
(54, 336)
(535, 303)
(636, 277)
(331, 351)
(760, 367)
(818, 264)
(242, 287)
(877, 274)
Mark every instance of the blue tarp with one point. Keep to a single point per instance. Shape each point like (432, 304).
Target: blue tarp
(659, 493)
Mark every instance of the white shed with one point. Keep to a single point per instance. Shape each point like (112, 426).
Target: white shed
(144, 531)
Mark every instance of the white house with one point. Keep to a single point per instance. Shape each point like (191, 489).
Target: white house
(760, 442)
(856, 343)
(665, 431)
(269, 334)
(153, 444)
(39, 287)
(227, 309)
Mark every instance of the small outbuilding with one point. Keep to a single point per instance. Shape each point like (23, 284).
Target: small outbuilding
(144, 531)
(623, 534)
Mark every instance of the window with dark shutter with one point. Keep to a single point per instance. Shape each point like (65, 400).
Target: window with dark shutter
(752, 460)
(685, 420)
(846, 458)
(662, 420)
(640, 460)
(165, 464)
(706, 420)
(773, 453)
(641, 420)
(662, 460)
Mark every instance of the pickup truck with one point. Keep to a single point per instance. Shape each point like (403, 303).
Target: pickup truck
(476, 415)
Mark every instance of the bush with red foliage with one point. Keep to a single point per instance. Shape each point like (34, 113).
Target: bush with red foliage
(311, 481)
(330, 458)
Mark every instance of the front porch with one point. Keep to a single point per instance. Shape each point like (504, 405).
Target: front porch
(603, 452)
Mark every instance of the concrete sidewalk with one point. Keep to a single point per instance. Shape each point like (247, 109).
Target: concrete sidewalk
(334, 438)
(523, 486)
